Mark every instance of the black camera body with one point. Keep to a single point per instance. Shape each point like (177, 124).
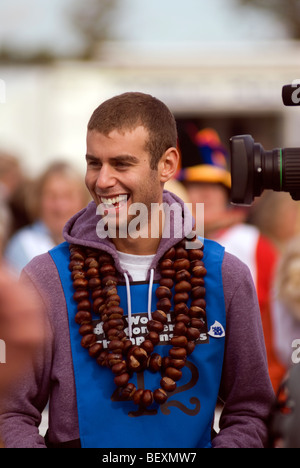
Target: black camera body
(254, 170)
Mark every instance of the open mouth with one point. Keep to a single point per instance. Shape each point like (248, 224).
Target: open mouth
(114, 202)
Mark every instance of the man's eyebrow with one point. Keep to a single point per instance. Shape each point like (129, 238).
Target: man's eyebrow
(122, 157)
(89, 157)
(126, 158)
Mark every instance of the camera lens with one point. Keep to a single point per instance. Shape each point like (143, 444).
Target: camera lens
(267, 169)
(291, 172)
(253, 170)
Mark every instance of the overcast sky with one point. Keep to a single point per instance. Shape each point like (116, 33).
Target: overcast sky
(34, 22)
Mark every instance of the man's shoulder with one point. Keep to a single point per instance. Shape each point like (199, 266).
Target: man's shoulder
(233, 269)
(232, 263)
(41, 267)
(236, 276)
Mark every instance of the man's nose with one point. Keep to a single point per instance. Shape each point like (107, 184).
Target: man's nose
(106, 178)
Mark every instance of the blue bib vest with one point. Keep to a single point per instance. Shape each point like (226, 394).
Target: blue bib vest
(185, 420)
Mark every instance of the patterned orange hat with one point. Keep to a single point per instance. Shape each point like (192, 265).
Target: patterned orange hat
(203, 157)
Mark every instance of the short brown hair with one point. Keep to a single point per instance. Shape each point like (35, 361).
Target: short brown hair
(129, 110)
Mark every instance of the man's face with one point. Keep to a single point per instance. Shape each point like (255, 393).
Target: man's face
(214, 197)
(118, 171)
(60, 200)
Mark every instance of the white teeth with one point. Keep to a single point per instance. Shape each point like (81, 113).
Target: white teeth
(114, 200)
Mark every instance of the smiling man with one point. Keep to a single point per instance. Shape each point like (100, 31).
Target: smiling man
(147, 330)
(129, 158)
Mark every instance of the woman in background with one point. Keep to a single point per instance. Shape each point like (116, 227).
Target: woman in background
(56, 196)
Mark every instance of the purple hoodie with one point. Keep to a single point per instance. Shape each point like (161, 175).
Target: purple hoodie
(245, 387)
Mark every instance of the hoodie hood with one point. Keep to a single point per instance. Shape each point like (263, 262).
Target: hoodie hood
(82, 228)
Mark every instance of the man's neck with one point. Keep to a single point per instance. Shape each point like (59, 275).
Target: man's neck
(137, 246)
(146, 242)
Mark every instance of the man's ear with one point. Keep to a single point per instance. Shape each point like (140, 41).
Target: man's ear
(168, 164)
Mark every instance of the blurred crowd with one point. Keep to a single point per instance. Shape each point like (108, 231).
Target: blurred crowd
(32, 215)
(264, 236)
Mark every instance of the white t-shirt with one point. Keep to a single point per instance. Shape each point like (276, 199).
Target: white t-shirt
(137, 265)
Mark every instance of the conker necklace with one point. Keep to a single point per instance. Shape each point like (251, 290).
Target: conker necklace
(95, 282)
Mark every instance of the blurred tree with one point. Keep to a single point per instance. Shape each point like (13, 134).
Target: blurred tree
(93, 20)
(287, 11)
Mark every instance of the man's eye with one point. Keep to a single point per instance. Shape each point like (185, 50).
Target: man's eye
(94, 164)
(121, 165)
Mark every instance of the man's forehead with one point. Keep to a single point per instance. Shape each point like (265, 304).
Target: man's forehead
(117, 144)
(135, 130)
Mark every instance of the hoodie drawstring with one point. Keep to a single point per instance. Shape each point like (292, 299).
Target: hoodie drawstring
(129, 300)
(128, 305)
(150, 294)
